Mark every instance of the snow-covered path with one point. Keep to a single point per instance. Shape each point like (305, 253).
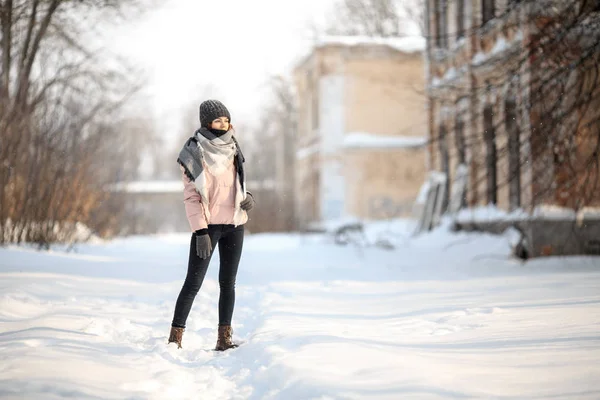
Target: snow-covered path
(442, 317)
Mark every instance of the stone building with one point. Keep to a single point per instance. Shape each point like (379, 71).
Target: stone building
(488, 100)
(361, 128)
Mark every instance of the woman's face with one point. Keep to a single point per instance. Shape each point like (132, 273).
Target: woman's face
(221, 123)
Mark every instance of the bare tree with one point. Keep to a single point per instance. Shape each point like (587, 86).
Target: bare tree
(270, 158)
(59, 100)
(377, 18)
(414, 11)
(190, 122)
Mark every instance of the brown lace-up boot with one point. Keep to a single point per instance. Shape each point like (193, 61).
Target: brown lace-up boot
(176, 336)
(224, 341)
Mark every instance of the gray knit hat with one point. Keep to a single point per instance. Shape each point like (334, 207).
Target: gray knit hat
(211, 110)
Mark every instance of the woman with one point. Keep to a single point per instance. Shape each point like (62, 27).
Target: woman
(216, 205)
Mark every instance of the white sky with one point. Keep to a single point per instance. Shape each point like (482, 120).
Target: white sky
(230, 45)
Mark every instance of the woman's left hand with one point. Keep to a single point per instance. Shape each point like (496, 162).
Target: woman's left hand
(248, 203)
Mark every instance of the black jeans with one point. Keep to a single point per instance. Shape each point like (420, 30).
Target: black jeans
(230, 241)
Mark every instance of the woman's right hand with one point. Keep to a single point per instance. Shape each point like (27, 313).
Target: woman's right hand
(203, 245)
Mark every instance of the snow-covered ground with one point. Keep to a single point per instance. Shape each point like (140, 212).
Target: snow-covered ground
(441, 317)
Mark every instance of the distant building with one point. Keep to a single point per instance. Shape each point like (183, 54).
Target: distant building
(361, 128)
(157, 206)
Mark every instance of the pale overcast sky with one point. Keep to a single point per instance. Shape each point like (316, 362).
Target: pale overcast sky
(231, 45)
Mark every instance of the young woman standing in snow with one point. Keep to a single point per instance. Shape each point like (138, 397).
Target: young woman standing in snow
(216, 204)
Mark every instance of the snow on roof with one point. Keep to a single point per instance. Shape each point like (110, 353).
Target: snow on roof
(500, 46)
(169, 186)
(590, 212)
(449, 76)
(361, 140)
(410, 44)
(551, 212)
(489, 213)
(307, 151)
(174, 186)
(554, 212)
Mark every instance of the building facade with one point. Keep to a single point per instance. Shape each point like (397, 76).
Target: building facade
(361, 128)
(495, 103)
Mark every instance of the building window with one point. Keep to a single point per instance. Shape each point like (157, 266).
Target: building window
(314, 108)
(441, 23)
(459, 141)
(514, 153)
(312, 91)
(461, 149)
(313, 209)
(513, 3)
(460, 19)
(489, 136)
(488, 10)
(445, 164)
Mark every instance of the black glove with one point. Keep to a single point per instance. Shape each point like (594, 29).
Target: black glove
(248, 203)
(203, 245)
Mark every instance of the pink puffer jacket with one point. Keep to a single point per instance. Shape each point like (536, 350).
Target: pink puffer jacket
(221, 195)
